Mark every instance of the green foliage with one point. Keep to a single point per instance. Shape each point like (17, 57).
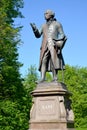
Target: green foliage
(29, 84)
(12, 116)
(48, 77)
(30, 78)
(10, 9)
(14, 113)
(76, 80)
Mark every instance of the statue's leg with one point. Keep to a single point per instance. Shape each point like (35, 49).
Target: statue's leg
(55, 74)
(43, 69)
(44, 65)
(53, 54)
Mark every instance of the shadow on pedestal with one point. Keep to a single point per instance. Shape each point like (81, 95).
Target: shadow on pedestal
(51, 109)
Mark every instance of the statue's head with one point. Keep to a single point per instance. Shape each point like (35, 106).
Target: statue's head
(49, 14)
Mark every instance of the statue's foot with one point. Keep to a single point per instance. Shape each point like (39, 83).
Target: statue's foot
(40, 81)
(55, 79)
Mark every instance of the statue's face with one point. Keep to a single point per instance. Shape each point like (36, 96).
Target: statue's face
(48, 15)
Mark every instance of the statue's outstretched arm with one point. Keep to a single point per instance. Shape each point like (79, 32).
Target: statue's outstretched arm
(35, 30)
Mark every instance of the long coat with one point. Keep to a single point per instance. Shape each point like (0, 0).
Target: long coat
(53, 41)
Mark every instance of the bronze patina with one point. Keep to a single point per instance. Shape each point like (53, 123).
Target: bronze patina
(51, 59)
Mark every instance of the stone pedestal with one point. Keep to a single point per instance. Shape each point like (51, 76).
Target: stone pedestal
(51, 107)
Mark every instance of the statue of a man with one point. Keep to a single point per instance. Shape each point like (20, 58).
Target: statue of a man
(51, 59)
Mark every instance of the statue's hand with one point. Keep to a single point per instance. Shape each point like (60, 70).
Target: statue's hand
(33, 26)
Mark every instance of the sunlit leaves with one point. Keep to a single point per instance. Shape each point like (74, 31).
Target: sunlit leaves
(76, 80)
(14, 113)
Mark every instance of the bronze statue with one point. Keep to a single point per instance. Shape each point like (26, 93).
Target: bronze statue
(51, 59)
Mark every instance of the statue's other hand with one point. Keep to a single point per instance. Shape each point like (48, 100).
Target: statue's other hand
(33, 26)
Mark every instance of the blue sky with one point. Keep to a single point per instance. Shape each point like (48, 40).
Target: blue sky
(72, 14)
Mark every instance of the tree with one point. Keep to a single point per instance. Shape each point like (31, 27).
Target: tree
(9, 65)
(29, 83)
(13, 99)
(76, 80)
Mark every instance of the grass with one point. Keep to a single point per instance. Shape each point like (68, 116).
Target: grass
(77, 128)
(80, 128)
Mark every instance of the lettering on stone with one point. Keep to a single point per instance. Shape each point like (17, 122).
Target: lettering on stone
(46, 107)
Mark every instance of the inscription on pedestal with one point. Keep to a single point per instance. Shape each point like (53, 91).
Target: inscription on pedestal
(48, 108)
